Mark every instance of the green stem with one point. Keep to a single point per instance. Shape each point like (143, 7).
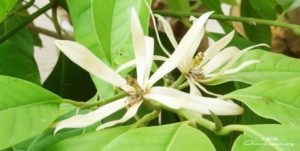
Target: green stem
(211, 125)
(179, 81)
(146, 118)
(55, 21)
(26, 21)
(247, 20)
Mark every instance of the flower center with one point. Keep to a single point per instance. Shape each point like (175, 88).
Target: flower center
(195, 71)
(136, 94)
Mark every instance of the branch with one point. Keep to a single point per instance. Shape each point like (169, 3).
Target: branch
(247, 20)
(47, 32)
(26, 21)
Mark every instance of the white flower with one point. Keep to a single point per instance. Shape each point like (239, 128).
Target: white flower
(142, 88)
(210, 65)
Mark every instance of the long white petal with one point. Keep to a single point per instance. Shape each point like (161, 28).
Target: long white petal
(131, 63)
(193, 89)
(220, 59)
(149, 59)
(217, 47)
(168, 29)
(176, 99)
(242, 66)
(132, 110)
(80, 121)
(231, 62)
(192, 39)
(183, 51)
(139, 46)
(205, 90)
(88, 61)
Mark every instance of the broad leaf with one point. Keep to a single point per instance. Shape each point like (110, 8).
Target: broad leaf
(256, 9)
(5, 7)
(268, 138)
(272, 67)
(174, 137)
(278, 100)
(17, 54)
(25, 110)
(113, 28)
(81, 15)
(94, 141)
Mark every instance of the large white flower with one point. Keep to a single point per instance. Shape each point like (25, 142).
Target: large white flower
(142, 88)
(210, 65)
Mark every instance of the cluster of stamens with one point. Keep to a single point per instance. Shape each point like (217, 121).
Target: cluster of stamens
(136, 94)
(195, 72)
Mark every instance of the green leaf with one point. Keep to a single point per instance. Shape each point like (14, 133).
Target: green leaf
(25, 110)
(113, 28)
(236, 41)
(268, 138)
(5, 7)
(289, 5)
(94, 141)
(16, 54)
(168, 137)
(273, 66)
(81, 15)
(256, 9)
(278, 100)
(174, 137)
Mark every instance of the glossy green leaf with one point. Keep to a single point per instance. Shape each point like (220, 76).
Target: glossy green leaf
(84, 30)
(94, 141)
(256, 9)
(278, 100)
(273, 66)
(16, 54)
(174, 137)
(268, 138)
(5, 7)
(25, 110)
(113, 28)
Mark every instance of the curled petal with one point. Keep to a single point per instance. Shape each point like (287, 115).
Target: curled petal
(217, 47)
(176, 99)
(88, 61)
(185, 50)
(220, 59)
(242, 66)
(80, 121)
(132, 110)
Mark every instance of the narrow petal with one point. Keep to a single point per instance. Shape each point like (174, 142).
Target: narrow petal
(148, 60)
(205, 90)
(184, 51)
(168, 29)
(132, 110)
(88, 61)
(80, 121)
(192, 39)
(176, 99)
(217, 47)
(231, 62)
(193, 88)
(242, 66)
(220, 59)
(139, 46)
(156, 30)
(131, 63)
